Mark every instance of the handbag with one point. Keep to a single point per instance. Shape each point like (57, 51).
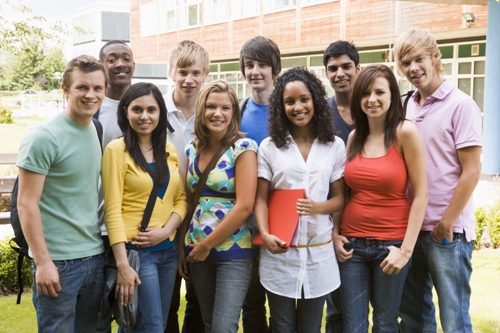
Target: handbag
(125, 316)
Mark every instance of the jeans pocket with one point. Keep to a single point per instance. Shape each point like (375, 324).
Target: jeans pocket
(456, 240)
(62, 267)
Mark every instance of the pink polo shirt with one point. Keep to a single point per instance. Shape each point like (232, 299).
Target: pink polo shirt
(447, 121)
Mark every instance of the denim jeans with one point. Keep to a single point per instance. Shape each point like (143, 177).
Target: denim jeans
(254, 310)
(363, 281)
(448, 268)
(75, 309)
(221, 287)
(290, 315)
(334, 322)
(157, 273)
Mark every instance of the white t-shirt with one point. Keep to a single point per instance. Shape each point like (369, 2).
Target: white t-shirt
(183, 130)
(314, 269)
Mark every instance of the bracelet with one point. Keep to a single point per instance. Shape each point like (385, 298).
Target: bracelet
(403, 253)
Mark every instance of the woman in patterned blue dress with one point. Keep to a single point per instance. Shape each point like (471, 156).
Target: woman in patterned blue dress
(216, 252)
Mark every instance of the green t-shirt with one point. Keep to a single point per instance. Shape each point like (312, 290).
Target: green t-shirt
(69, 155)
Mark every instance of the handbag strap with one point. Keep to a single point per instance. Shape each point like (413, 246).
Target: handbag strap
(149, 206)
(209, 167)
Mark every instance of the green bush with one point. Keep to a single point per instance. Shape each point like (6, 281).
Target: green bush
(8, 269)
(481, 224)
(5, 115)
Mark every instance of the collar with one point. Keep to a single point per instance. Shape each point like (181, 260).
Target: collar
(169, 102)
(441, 92)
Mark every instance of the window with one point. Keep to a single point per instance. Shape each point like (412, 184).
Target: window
(244, 8)
(471, 80)
(277, 5)
(168, 15)
(314, 2)
(191, 13)
(215, 11)
(149, 19)
(115, 26)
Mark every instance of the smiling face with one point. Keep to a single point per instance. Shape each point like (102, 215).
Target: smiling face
(85, 95)
(376, 100)
(258, 74)
(298, 104)
(143, 114)
(218, 113)
(342, 73)
(120, 64)
(188, 80)
(420, 69)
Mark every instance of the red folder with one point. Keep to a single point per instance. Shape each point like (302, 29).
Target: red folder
(283, 216)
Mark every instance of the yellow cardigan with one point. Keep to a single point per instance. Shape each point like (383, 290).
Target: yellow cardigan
(127, 188)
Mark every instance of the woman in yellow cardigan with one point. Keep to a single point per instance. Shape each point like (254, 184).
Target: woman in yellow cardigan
(130, 165)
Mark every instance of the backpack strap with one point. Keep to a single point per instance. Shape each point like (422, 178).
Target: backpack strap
(98, 127)
(243, 104)
(96, 115)
(407, 98)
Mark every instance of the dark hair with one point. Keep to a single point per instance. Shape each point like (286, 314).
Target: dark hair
(261, 49)
(111, 42)
(339, 48)
(158, 137)
(395, 114)
(278, 122)
(200, 130)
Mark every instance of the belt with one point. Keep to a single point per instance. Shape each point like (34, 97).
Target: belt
(312, 245)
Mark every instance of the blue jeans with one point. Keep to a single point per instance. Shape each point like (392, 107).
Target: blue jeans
(221, 287)
(363, 281)
(448, 268)
(157, 273)
(290, 315)
(334, 322)
(75, 309)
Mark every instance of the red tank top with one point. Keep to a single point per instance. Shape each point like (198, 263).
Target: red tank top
(378, 207)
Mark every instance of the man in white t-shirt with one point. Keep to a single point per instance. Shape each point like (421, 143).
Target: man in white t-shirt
(188, 67)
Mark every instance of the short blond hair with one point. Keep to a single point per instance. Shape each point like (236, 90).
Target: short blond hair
(186, 53)
(201, 131)
(417, 40)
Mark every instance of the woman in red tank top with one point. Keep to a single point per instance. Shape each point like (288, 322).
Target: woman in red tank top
(379, 228)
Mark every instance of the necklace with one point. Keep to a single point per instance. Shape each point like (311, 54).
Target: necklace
(145, 150)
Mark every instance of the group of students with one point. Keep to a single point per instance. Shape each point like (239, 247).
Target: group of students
(386, 213)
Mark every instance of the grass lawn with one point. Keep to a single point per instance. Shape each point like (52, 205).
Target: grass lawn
(485, 302)
(11, 136)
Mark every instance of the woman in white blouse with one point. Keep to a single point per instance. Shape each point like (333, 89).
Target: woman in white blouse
(302, 152)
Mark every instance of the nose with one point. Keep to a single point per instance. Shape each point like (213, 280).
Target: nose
(373, 97)
(189, 78)
(144, 114)
(413, 66)
(255, 70)
(340, 72)
(90, 93)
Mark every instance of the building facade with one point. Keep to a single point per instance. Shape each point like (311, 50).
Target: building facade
(303, 29)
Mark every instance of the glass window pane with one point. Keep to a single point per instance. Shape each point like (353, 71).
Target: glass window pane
(465, 68)
(464, 85)
(447, 68)
(479, 67)
(478, 94)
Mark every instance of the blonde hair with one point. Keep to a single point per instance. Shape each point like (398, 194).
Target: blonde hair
(201, 131)
(186, 53)
(417, 40)
(86, 64)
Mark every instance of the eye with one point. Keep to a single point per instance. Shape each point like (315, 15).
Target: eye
(305, 99)
(152, 109)
(111, 60)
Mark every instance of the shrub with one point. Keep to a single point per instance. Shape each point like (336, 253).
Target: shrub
(494, 224)
(5, 115)
(8, 269)
(481, 224)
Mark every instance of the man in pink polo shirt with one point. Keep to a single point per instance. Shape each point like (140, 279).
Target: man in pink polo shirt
(450, 125)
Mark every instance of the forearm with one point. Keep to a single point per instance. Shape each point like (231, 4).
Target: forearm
(337, 217)
(173, 223)
(331, 206)
(415, 219)
(461, 196)
(261, 214)
(120, 254)
(31, 224)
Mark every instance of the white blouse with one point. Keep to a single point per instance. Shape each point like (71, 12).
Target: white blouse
(313, 269)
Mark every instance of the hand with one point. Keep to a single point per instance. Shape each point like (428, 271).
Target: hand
(183, 267)
(150, 237)
(274, 244)
(394, 261)
(441, 232)
(306, 206)
(126, 280)
(47, 279)
(198, 253)
(340, 251)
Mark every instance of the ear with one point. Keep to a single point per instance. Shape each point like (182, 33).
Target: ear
(358, 68)
(65, 90)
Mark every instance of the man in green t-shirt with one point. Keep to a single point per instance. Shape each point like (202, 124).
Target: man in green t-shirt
(59, 164)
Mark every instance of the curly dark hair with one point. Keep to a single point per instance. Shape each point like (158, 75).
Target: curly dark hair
(278, 122)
